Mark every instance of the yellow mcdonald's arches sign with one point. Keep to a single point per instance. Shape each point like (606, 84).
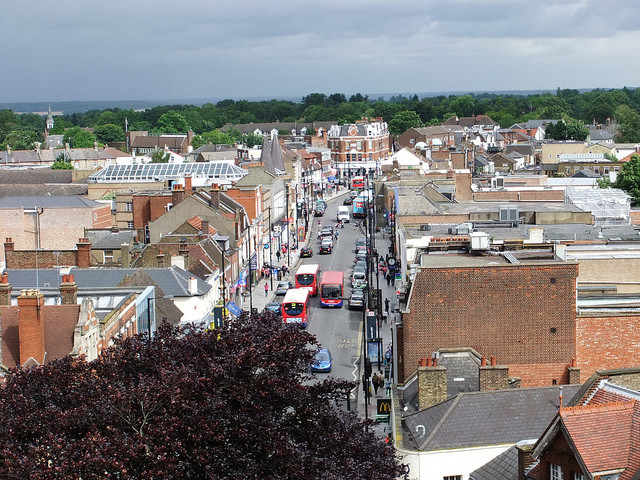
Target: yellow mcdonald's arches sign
(384, 406)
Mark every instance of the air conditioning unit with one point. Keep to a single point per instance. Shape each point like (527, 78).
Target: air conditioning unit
(509, 213)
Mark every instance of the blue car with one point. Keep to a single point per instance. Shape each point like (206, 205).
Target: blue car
(322, 361)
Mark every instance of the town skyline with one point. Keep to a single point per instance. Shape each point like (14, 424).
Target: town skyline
(224, 50)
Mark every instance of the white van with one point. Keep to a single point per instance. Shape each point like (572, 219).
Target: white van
(343, 214)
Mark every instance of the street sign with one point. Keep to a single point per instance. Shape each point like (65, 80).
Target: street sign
(266, 246)
(383, 411)
(276, 228)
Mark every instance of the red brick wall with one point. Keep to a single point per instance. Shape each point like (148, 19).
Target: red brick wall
(31, 326)
(506, 311)
(140, 210)
(102, 216)
(635, 217)
(537, 375)
(607, 342)
(523, 196)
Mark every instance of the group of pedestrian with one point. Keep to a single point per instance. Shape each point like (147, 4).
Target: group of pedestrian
(378, 381)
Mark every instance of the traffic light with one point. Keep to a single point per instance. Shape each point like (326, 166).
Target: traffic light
(367, 367)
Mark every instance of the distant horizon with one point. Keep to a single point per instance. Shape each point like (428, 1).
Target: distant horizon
(81, 106)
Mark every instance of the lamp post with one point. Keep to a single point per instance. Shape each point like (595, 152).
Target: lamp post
(270, 251)
(222, 243)
(288, 227)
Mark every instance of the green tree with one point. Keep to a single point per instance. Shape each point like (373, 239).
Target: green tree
(78, 137)
(215, 137)
(252, 139)
(629, 124)
(231, 403)
(22, 138)
(172, 122)
(160, 156)
(628, 178)
(464, 106)
(62, 163)
(403, 121)
(109, 133)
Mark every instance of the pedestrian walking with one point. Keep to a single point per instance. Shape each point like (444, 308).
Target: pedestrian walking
(386, 305)
(266, 289)
(376, 383)
(278, 254)
(385, 317)
(388, 278)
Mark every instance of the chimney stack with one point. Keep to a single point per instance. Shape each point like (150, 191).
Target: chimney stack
(125, 257)
(83, 258)
(493, 376)
(31, 326)
(215, 196)
(574, 373)
(5, 290)
(188, 186)
(193, 286)
(205, 227)
(69, 290)
(8, 245)
(432, 384)
(177, 194)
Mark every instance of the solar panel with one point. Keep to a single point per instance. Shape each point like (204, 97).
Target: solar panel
(161, 171)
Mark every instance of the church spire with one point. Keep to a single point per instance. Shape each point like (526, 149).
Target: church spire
(49, 119)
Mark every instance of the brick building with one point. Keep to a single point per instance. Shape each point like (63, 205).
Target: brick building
(358, 145)
(523, 312)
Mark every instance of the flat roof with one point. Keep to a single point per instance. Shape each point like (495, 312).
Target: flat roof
(461, 260)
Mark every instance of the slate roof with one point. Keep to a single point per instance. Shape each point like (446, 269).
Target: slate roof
(43, 189)
(485, 418)
(110, 240)
(503, 467)
(34, 176)
(271, 156)
(173, 281)
(59, 201)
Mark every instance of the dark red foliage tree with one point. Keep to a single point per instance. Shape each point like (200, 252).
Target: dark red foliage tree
(236, 403)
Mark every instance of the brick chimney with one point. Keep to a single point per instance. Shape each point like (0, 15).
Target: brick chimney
(574, 373)
(525, 458)
(432, 383)
(205, 227)
(493, 376)
(177, 194)
(84, 253)
(31, 326)
(69, 290)
(188, 186)
(8, 245)
(214, 191)
(5, 290)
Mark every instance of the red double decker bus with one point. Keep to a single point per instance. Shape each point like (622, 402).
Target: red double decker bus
(295, 307)
(332, 289)
(357, 182)
(308, 276)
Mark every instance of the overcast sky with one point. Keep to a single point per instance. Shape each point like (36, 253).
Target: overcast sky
(158, 49)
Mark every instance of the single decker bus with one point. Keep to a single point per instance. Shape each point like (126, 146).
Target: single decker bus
(332, 289)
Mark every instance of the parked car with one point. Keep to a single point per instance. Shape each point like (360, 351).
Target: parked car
(282, 287)
(326, 246)
(359, 279)
(274, 307)
(356, 300)
(322, 361)
(321, 203)
(347, 201)
(361, 257)
(360, 264)
(318, 212)
(306, 252)
(326, 232)
(362, 242)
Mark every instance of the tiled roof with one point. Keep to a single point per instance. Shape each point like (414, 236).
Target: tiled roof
(601, 433)
(271, 155)
(196, 222)
(59, 324)
(35, 176)
(36, 189)
(485, 418)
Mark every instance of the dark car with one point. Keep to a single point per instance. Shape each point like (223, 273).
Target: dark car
(347, 201)
(274, 307)
(306, 252)
(282, 287)
(356, 300)
(326, 246)
(322, 361)
(318, 212)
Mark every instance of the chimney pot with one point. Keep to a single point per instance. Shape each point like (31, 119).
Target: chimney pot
(483, 362)
(429, 362)
(494, 361)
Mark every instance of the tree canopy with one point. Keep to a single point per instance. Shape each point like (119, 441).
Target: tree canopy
(628, 178)
(403, 121)
(234, 403)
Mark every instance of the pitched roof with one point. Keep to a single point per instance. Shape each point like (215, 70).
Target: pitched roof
(110, 239)
(59, 201)
(502, 467)
(59, 324)
(485, 418)
(173, 281)
(39, 189)
(601, 433)
(35, 175)
(271, 155)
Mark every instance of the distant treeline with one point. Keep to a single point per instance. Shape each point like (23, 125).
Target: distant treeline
(621, 106)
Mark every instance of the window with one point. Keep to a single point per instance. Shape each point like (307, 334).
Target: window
(412, 141)
(129, 207)
(108, 256)
(452, 477)
(596, 169)
(616, 169)
(371, 143)
(95, 217)
(555, 472)
(129, 224)
(557, 156)
(606, 170)
(578, 476)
